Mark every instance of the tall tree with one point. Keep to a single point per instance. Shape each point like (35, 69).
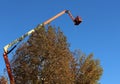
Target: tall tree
(45, 57)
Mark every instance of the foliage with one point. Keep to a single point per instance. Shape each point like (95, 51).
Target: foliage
(3, 80)
(45, 56)
(88, 70)
(46, 59)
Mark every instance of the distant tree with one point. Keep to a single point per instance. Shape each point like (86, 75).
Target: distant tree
(46, 59)
(3, 80)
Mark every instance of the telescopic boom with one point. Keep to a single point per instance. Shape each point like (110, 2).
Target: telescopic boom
(14, 43)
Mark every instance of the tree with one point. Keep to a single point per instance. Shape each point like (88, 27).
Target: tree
(88, 70)
(46, 59)
(45, 55)
(3, 80)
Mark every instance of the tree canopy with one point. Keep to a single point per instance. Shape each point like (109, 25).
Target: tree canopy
(88, 70)
(46, 59)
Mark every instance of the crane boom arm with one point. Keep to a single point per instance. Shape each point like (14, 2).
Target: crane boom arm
(56, 16)
(14, 43)
(18, 40)
(33, 30)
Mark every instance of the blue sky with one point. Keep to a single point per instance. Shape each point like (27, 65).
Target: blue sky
(99, 32)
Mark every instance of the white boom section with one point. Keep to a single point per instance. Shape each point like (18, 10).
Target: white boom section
(19, 39)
